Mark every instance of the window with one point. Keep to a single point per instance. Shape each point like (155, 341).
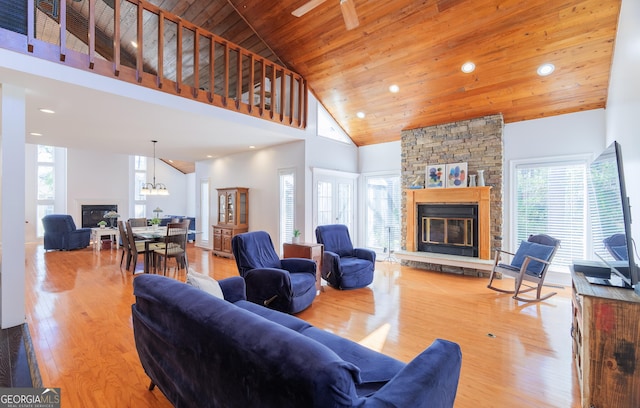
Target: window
(140, 178)
(287, 204)
(550, 198)
(334, 199)
(46, 185)
(204, 210)
(383, 209)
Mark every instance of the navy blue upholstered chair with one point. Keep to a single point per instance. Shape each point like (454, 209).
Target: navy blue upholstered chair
(287, 285)
(60, 232)
(343, 266)
(617, 247)
(529, 266)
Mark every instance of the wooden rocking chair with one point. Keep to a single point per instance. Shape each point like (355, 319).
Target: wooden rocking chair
(529, 266)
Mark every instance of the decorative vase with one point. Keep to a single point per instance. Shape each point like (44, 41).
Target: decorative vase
(481, 178)
(102, 226)
(472, 180)
(295, 240)
(155, 227)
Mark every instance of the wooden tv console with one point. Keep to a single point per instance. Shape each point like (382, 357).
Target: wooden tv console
(606, 344)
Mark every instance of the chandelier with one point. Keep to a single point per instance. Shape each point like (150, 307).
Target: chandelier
(154, 188)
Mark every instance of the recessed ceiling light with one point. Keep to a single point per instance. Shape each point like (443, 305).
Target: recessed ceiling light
(468, 67)
(361, 115)
(45, 110)
(35, 134)
(546, 69)
(135, 44)
(209, 156)
(252, 147)
(394, 88)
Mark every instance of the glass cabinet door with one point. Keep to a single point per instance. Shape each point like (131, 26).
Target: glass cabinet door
(222, 208)
(243, 208)
(231, 207)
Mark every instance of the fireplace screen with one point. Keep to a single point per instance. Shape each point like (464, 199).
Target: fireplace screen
(452, 231)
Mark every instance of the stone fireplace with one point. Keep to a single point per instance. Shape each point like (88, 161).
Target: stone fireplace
(478, 142)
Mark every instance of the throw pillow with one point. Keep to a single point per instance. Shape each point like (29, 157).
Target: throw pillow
(204, 282)
(535, 250)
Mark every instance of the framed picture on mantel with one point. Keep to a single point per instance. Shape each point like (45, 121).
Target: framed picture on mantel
(434, 176)
(456, 175)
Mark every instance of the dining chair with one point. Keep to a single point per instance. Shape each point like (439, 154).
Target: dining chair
(138, 222)
(124, 244)
(136, 247)
(174, 246)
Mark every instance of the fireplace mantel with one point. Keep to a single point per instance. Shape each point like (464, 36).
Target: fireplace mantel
(466, 195)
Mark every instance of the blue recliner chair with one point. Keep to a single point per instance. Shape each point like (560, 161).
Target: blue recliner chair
(287, 285)
(60, 232)
(343, 266)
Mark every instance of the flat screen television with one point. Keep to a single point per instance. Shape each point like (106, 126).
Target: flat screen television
(610, 217)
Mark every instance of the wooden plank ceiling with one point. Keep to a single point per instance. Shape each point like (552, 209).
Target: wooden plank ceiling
(420, 47)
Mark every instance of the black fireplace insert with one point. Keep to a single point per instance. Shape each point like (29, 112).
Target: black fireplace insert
(450, 229)
(92, 214)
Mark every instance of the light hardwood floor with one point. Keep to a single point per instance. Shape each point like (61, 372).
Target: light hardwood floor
(513, 354)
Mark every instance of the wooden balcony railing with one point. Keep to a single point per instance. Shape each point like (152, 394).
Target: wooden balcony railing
(138, 42)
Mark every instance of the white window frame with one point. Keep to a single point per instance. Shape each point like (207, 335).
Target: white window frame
(285, 217)
(514, 165)
(364, 210)
(335, 177)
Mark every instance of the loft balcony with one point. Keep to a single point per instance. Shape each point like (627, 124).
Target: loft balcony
(137, 42)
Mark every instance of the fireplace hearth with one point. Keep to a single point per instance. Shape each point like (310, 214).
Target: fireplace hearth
(450, 229)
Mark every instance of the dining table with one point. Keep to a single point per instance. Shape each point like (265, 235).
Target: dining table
(150, 235)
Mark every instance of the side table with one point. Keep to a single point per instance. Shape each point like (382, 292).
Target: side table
(98, 233)
(307, 250)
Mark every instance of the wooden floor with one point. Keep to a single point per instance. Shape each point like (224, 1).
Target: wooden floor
(513, 354)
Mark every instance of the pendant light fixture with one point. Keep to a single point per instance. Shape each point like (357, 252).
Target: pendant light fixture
(154, 188)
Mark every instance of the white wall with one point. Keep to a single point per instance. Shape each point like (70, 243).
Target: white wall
(258, 171)
(623, 105)
(380, 157)
(93, 177)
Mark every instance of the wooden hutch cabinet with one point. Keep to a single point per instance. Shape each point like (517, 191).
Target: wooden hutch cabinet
(606, 344)
(233, 218)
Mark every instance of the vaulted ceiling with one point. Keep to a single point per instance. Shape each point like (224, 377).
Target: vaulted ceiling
(420, 46)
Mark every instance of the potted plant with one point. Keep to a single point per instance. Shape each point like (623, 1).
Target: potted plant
(154, 222)
(296, 237)
(102, 223)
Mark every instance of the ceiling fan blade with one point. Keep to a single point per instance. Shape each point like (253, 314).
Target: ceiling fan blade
(307, 7)
(349, 14)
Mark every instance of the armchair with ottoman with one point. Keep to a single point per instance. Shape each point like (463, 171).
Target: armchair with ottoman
(215, 349)
(60, 232)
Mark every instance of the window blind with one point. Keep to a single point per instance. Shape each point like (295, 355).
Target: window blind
(551, 199)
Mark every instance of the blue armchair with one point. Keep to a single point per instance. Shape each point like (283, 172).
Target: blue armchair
(60, 232)
(287, 285)
(343, 266)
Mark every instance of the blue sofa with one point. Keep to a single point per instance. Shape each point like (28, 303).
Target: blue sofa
(203, 351)
(60, 232)
(192, 224)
